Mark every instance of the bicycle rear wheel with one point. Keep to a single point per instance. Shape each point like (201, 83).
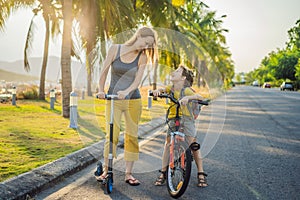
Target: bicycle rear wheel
(178, 177)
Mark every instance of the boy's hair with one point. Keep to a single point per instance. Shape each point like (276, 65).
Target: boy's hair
(189, 76)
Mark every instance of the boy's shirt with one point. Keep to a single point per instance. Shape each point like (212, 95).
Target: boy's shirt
(183, 109)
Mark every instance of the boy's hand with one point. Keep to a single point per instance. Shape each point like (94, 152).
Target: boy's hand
(184, 101)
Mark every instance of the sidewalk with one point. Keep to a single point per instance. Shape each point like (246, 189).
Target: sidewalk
(31, 183)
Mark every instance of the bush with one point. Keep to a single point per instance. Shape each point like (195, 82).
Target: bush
(27, 92)
(297, 85)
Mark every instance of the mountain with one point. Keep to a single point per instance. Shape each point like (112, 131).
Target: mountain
(53, 72)
(12, 77)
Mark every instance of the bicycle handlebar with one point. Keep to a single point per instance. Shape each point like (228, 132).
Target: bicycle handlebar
(174, 100)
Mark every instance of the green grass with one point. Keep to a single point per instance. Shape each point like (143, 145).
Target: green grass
(32, 135)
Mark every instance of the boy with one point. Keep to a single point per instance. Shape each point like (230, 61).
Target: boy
(182, 80)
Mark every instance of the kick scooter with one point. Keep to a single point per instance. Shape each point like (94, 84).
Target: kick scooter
(108, 181)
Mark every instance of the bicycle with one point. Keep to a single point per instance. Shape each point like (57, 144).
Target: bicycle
(180, 157)
(108, 181)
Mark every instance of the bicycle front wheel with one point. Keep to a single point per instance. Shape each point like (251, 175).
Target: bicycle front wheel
(178, 176)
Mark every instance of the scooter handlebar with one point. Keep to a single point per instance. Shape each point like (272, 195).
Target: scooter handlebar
(109, 96)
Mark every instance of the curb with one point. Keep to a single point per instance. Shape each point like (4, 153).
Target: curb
(31, 183)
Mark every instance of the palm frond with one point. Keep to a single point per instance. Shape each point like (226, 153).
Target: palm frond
(28, 44)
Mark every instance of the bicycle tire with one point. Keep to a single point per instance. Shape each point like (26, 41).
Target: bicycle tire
(178, 178)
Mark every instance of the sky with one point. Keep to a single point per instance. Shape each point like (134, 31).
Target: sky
(13, 38)
(256, 27)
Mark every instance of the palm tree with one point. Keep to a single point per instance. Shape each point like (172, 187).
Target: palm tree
(86, 40)
(66, 58)
(203, 44)
(206, 33)
(49, 10)
(158, 13)
(99, 21)
(7, 7)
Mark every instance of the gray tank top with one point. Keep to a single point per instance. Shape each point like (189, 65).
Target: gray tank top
(123, 75)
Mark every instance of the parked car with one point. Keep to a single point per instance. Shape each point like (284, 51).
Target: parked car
(255, 83)
(287, 86)
(266, 85)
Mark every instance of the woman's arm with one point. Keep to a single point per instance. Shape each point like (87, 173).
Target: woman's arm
(111, 54)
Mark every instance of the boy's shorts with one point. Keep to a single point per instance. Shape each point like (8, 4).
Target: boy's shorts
(187, 126)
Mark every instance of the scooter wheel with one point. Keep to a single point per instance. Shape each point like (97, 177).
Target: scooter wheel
(109, 185)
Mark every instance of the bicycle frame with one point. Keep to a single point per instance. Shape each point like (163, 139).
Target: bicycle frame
(175, 136)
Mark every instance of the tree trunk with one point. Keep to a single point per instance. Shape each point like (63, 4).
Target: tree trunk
(66, 58)
(45, 60)
(90, 70)
(198, 74)
(155, 74)
(204, 73)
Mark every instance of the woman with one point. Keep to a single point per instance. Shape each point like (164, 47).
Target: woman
(127, 63)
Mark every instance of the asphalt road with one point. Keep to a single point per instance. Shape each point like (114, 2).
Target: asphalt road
(250, 141)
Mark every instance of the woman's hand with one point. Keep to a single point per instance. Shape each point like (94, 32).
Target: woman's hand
(100, 95)
(122, 94)
(156, 93)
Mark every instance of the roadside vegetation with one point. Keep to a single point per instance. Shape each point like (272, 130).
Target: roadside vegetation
(280, 65)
